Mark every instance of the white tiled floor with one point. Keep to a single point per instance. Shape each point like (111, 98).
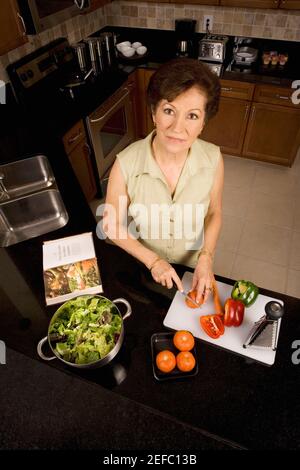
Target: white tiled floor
(260, 236)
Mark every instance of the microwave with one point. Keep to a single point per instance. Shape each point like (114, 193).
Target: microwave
(39, 15)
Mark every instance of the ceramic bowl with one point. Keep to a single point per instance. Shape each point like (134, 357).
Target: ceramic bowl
(141, 50)
(135, 45)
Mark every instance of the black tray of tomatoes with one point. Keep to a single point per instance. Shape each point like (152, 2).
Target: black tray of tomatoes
(174, 355)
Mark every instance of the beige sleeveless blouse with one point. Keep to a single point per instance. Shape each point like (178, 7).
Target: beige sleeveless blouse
(171, 226)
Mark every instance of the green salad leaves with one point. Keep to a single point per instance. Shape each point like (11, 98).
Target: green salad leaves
(85, 329)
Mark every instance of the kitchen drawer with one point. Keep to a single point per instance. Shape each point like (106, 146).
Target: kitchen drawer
(274, 95)
(73, 137)
(235, 89)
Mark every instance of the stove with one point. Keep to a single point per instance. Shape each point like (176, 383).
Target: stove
(49, 82)
(56, 94)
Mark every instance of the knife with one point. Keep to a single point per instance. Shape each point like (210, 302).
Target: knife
(189, 297)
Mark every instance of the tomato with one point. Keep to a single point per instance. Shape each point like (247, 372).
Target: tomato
(183, 340)
(165, 361)
(212, 325)
(185, 361)
(193, 295)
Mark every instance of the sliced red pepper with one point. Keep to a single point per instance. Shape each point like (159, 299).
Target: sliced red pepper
(234, 312)
(217, 302)
(212, 325)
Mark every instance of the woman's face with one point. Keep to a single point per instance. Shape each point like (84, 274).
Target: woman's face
(180, 122)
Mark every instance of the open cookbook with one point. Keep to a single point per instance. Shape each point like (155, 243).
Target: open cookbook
(70, 268)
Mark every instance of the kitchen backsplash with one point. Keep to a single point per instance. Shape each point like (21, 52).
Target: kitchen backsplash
(249, 22)
(276, 24)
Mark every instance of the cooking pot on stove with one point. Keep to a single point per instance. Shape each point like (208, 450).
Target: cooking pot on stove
(92, 365)
(74, 81)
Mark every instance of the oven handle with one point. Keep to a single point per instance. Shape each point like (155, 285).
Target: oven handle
(112, 108)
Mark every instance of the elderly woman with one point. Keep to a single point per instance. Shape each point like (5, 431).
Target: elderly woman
(171, 182)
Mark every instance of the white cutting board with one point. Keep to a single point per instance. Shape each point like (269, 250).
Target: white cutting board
(181, 317)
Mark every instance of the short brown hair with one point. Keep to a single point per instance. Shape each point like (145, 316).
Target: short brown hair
(179, 75)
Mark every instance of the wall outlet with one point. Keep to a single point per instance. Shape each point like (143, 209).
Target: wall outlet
(208, 21)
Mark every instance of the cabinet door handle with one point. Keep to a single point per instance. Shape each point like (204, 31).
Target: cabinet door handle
(87, 148)
(247, 107)
(253, 112)
(88, 151)
(23, 23)
(224, 88)
(74, 138)
(282, 97)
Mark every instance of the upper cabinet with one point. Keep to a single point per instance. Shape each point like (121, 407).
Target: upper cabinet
(290, 4)
(94, 4)
(286, 4)
(196, 2)
(251, 3)
(12, 33)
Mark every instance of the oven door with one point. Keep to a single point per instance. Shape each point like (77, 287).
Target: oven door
(111, 129)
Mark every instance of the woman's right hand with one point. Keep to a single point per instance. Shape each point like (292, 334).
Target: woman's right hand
(163, 273)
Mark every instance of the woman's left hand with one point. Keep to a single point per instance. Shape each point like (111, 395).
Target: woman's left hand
(203, 278)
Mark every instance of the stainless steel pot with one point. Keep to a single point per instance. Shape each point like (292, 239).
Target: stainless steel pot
(93, 365)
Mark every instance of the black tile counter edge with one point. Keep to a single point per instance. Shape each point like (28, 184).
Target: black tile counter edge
(50, 409)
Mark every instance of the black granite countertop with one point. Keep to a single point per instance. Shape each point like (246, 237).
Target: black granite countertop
(56, 110)
(161, 45)
(234, 401)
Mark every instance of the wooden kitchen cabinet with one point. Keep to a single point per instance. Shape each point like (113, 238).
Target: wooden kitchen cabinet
(227, 128)
(284, 4)
(12, 32)
(132, 85)
(275, 95)
(145, 124)
(273, 134)
(94, 4)
(238, 90)
(254, 121)
(196, 2)
(78, 152)
(250, 3)
(290, 4)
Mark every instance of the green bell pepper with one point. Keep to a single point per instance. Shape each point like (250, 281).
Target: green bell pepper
(245, 291)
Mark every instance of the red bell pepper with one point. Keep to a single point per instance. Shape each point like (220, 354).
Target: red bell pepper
(234, 312)
(217, 302)
(212, 325)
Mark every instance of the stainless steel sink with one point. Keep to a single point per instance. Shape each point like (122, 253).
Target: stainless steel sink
(26, 176)
(30, 202)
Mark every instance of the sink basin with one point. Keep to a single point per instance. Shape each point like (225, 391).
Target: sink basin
(30, 216)
(30, 201)
(26, 176)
